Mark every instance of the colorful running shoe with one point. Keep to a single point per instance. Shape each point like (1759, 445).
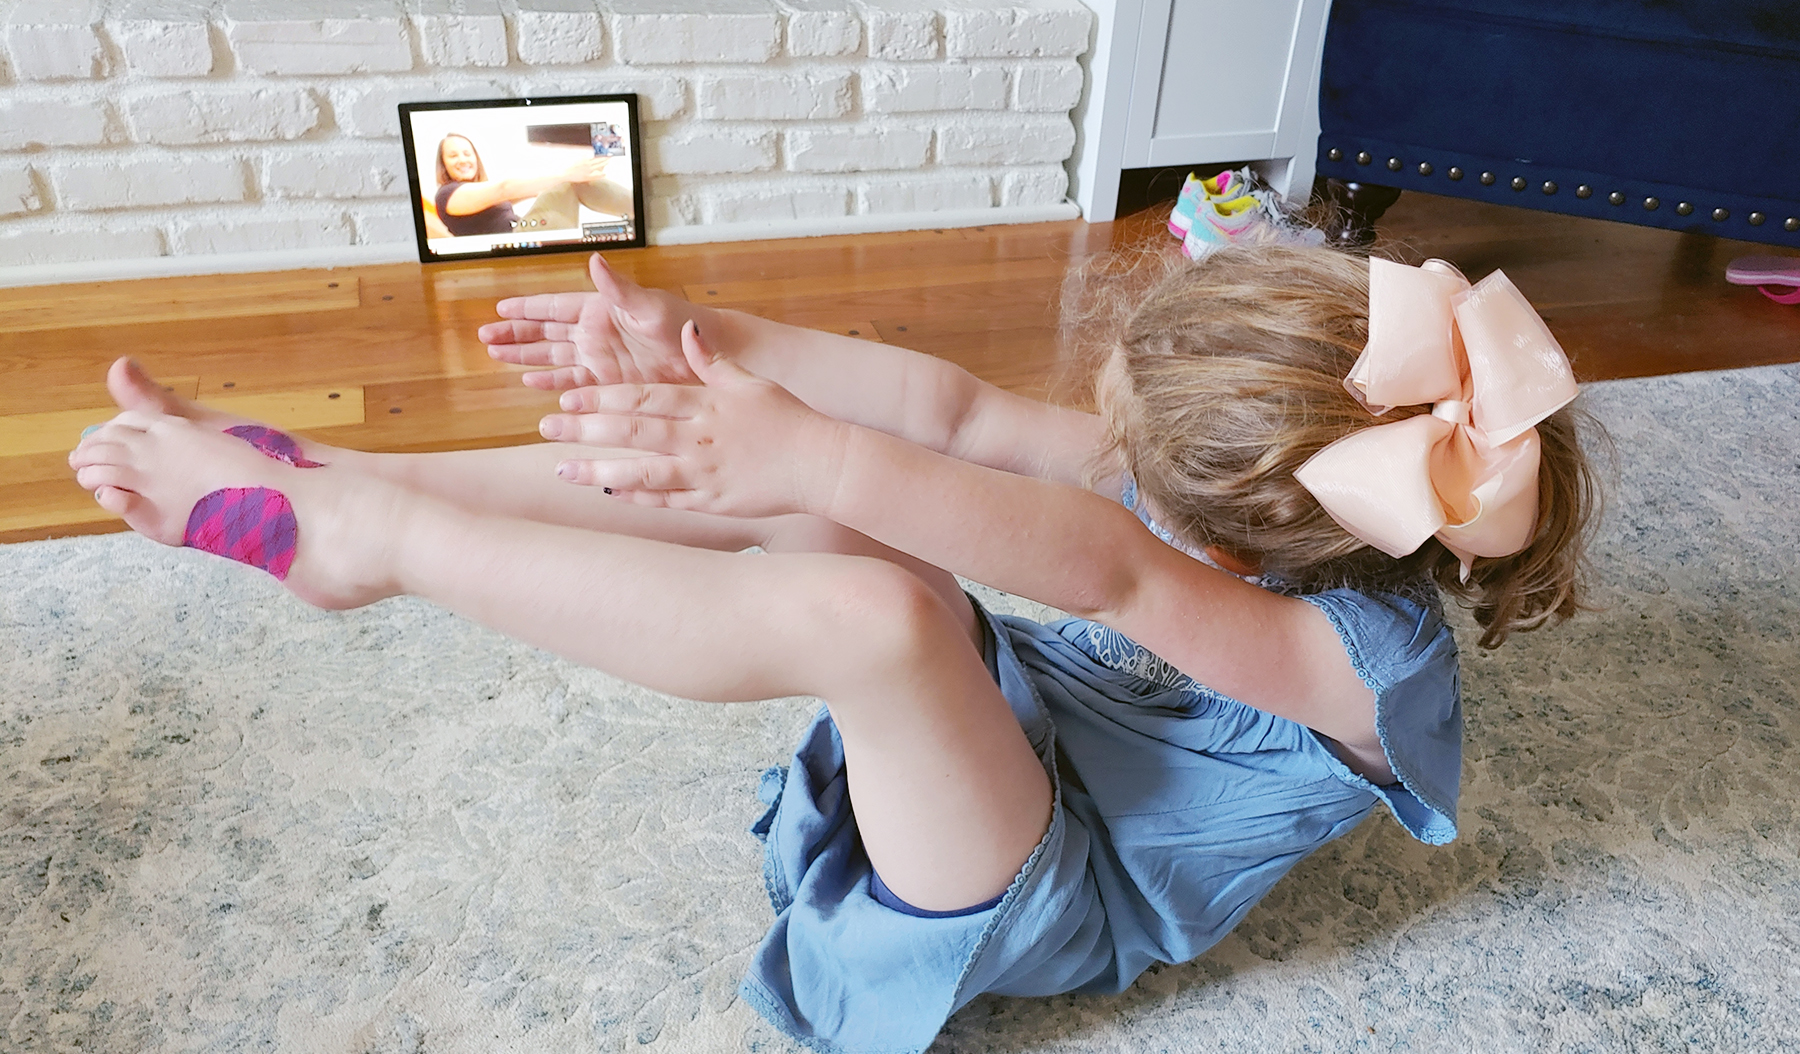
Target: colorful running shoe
(1220, 187)
(1234, 221)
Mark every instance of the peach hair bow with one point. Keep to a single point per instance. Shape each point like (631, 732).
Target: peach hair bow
(1468, 471)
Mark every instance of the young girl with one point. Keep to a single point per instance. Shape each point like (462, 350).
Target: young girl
(987, 804)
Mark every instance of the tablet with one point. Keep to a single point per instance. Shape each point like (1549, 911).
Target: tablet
(516, 177)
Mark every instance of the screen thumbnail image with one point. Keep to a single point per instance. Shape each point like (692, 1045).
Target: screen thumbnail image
(524, 176)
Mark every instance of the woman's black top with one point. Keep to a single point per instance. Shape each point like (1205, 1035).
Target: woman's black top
(495, 219)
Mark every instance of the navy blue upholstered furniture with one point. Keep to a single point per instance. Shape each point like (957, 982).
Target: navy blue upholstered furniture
(1682, 114)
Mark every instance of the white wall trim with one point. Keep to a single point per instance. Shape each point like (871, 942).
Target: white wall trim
(216, 263)
(866, 223)
(406, 252)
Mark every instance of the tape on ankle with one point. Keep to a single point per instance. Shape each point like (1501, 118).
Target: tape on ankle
(252, 525)
(278, 445)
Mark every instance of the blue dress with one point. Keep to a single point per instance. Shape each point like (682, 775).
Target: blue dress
(1177, 808)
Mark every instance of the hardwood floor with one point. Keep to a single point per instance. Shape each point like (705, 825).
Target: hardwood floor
(385, 358)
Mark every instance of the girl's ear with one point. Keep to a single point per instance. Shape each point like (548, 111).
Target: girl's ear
(1237, 565)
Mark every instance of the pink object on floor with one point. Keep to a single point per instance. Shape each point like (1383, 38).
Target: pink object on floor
(252, 525)
(276, 444)
(1772, 275)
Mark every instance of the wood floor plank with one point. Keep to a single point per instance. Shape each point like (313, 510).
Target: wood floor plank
(75, 391)
(340, 404)
(49, 509)
(837, 285)
(38, 308)
(60, 430)
(446, 413)
(35, 468)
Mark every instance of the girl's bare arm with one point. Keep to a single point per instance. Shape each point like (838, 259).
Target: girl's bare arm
(626, 333)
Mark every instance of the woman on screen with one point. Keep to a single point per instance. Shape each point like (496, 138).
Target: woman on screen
(468, 202)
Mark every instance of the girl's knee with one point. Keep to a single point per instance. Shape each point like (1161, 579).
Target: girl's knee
(884, 614)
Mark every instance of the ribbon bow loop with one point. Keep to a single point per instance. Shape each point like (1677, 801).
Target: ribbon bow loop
(1467, 472)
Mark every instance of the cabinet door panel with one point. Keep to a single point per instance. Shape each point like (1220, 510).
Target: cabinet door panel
(1224, 68)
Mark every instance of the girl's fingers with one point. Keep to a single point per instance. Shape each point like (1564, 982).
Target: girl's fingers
(510, 331)
(559, 380)
(544, 307)
(646, 480)
(542, 353)
(676, 401)
(635, 431)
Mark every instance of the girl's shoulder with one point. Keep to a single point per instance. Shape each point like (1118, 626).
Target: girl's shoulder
(1403, 649)
(1400, 644)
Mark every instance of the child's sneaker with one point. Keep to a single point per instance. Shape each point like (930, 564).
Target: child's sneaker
(1221, 187)
(1226, 222)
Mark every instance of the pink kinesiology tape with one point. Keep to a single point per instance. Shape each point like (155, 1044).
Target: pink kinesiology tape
(252, 525)
(278, 445)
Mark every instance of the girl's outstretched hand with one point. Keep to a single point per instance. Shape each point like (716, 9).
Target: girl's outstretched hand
(621, 333)
(736, 445)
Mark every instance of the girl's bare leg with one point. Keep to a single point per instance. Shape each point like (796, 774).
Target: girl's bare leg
(521, 482)
(949, 796)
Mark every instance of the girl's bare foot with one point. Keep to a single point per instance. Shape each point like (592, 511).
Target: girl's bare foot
(329, 534)
(133, 389)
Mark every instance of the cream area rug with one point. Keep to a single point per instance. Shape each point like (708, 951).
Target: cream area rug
(229, 823)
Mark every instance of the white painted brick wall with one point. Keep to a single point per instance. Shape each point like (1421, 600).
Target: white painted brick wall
(901, 29)
(809, 95)
(456, 33)
(743, 204)
(142, 128)
(695, 31)
(94, 186)
(162, 39)
(559, 32)
(369, 107)
(1040, 185)
(222, 115)
(55, 40)
(81, 246)
(1017, 140)
(968, 190)
(383, 224)
(915, 88)
(1054, 88)
(870, 148)
(821, 28)
(358, 172)
(712, 150)
(662, 96)
(32, 122)
(1016, 29)
(18, 194)
(317, 36)
(250, 234)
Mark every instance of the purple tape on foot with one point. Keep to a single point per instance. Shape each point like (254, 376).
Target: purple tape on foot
(252, 525)
(278, 445)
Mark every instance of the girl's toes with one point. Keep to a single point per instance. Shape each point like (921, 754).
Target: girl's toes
(101, 474)
(133, 389)
(121, 503)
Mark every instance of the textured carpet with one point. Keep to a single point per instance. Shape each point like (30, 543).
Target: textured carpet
(231, 823)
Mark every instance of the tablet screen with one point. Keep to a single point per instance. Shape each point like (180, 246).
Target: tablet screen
(509, 177)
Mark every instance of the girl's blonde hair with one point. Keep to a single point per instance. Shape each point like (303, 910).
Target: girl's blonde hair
(1229, 375)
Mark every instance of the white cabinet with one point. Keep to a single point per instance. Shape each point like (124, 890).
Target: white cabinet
(1187, 82)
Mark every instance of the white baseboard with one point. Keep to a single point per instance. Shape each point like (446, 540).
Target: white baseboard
(873, 223)
(214, 263)
(405, 252)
